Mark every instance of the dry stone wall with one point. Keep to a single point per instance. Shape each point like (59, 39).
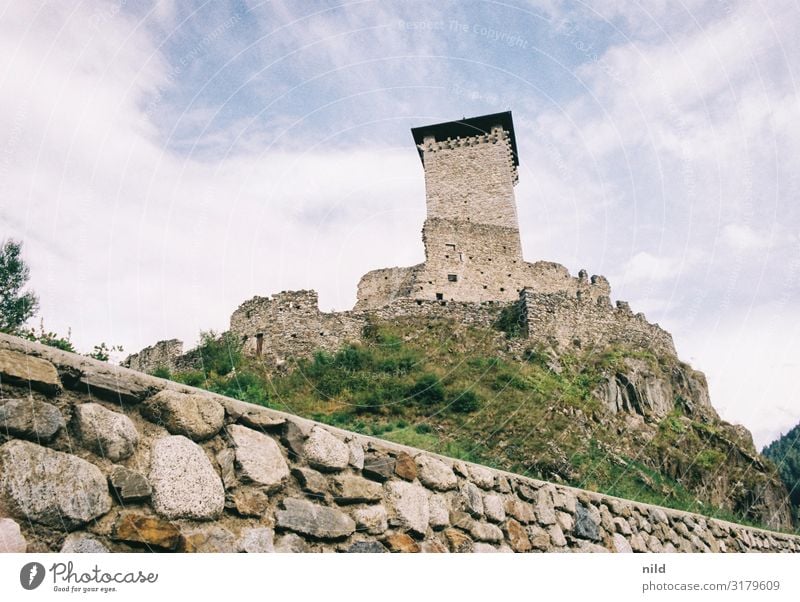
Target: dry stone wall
(162, 355)
(97, 458)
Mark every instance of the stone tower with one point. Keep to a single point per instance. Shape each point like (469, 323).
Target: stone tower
(471, 233)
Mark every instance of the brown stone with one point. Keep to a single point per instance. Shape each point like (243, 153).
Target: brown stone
(147, 530)
(458, 541)
(249, 502)
(433, 546)
(401, 542)
(20, 369)
(517, 538)
(405, 467)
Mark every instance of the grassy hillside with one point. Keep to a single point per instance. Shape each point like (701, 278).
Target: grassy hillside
(785, 453)
(461, 392)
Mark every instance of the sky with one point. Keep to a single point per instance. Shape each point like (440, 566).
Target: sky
(164, 161)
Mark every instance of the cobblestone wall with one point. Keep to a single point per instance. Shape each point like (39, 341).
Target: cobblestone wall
(97, 458)
(162, 355)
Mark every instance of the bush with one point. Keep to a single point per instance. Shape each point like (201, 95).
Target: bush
(465, 403)
(510, 321)
(220, 353)
(427, 390)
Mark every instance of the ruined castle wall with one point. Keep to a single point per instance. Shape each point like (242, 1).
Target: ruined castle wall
(380, 287)
(123, 462)
(472, 179)
(573, 321)
(163, 355)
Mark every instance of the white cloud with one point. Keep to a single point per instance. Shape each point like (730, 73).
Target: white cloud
(741, 237)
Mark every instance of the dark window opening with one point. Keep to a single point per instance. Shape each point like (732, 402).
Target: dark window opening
(485, 287)
(452, 278)
(259, 343)
(447, 257)
(450, 246)
(502, 289)
(419, 302)
(439, 296)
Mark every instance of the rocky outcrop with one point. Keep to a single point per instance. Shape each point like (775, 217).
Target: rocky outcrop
(291, 486)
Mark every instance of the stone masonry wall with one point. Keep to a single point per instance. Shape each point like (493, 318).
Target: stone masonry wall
(160, 355)
(97, 458)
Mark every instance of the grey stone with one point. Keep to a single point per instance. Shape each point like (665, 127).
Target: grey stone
(620, 544)
(257, 540)
(438, 511)
(526, 492)
(545, 511)
(657, 515)
(351, 489)
(435, 474)
(195, 416)
(366, 547)
(379, 467)
(408, 506)
(622, 526)
(258, 457)
(311, 481)
(316, 521)
(11, 539)
(49, 487)
(184, 483)
(259, 419)
(108, 434)
(484, 548)
(226, 460)
(356, 453)
(606, 520)
(325, 452)
(493, 508)
(129, 485)
(79, 543)
(211, 538)
(372, 520)
(585, 526)
(291, 543)
(486, 532)
(471, 499)
(481, 476)
(293, 437)
(30, 419)
(28, 371)
(109, 382)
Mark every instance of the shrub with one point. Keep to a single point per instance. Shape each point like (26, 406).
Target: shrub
(219, 353)
(465, 403)
(427, 390)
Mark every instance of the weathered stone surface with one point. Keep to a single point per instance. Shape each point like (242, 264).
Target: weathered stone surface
(439, 512)
(486, 532)
(356, 453)
(79, 543)
(493, 508)
(291, 543)
(401, 542)
(109, 382)
(193, 415)
(522, 511)
(30, 419)
(620, 544)
(293, 436)
(258, 540)
(503, 486)
(458, 541)
(258, 457)
(379, 467)
(11, 539)
(227, 468)
(657, 515)
(366, 547)
(212, 539)
(517, 537)
(372, 520)
(128, 485)
(526, 492)
(471, 499)
(184, 483)
(408, 506)
(557, 536)
(539, 538)
(50, 487)
(325, 452)
(460, 519)
(259, 419)
(351, 489)
(480, 547)
(432, 546)
(20, 369)
(108, 434)
(545, 511)
(565, 500)
(147, 530)
(248, 502)
(482, 477)
(587, 546)
(316, 521)
(585, 525)
(311, 481)
(435, 474)
(405, 467)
